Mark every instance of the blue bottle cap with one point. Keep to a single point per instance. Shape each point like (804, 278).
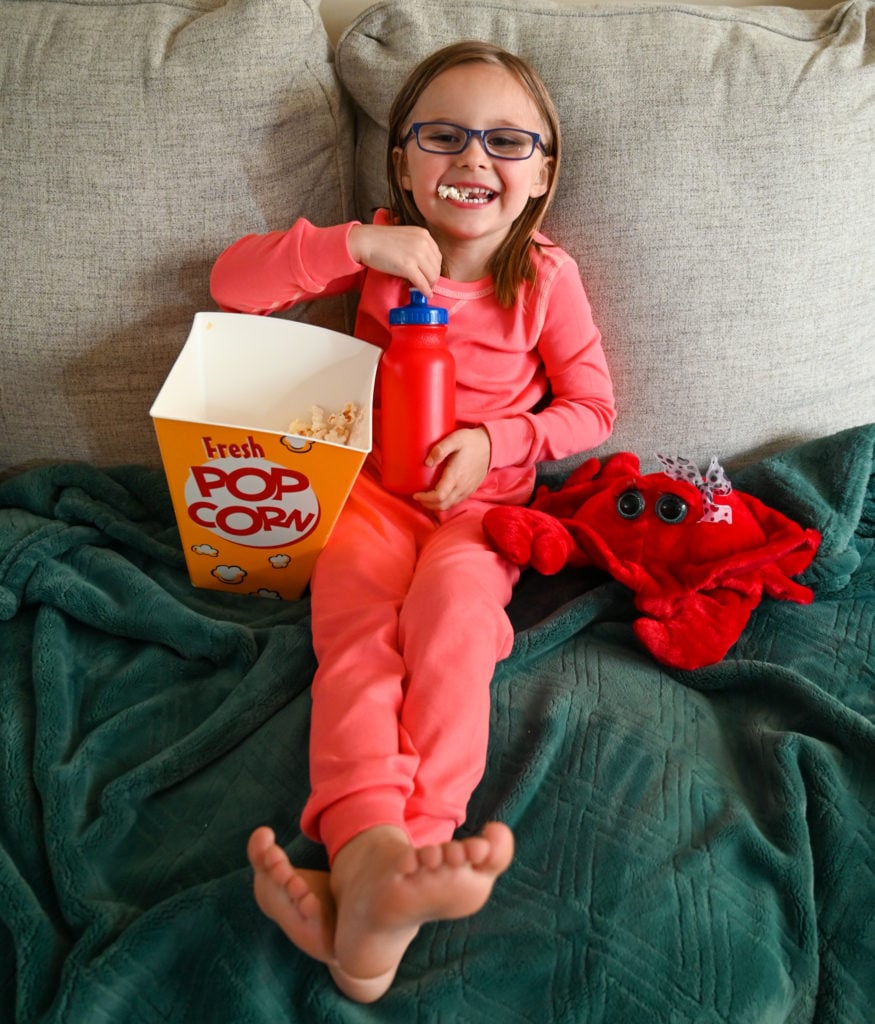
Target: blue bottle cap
(418, 312)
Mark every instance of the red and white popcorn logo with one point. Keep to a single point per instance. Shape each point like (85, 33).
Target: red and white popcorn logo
(252, 501)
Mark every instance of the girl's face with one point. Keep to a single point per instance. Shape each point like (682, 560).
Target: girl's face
(487, 193)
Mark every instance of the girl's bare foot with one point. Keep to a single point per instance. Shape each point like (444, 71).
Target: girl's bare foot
(385, 889)
(298, 900)
(360, 919)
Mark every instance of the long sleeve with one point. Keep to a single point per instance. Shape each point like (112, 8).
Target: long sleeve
(271, 272)
(581, 409)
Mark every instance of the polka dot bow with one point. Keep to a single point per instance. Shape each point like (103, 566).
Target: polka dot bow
(714, 484)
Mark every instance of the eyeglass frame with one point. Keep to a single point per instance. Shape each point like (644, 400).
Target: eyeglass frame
(472, 133)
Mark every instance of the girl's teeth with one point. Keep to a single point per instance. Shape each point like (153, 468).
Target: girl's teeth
(465, 195)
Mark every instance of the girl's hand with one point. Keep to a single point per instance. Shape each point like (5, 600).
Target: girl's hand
(466, 454)
(401, 250)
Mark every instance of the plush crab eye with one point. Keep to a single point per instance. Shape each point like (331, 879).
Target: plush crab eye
(630, 504)
(671, 509)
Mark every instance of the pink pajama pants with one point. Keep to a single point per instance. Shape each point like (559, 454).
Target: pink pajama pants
(408, 624)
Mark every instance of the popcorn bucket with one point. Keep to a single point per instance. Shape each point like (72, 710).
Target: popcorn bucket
(255, 503)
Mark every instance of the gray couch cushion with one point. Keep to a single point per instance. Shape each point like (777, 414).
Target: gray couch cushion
(139, 139)
(716, 190)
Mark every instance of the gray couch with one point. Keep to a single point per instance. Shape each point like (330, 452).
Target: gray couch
(716, 192)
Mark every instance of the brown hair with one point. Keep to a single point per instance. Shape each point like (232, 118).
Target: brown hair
(511, 264)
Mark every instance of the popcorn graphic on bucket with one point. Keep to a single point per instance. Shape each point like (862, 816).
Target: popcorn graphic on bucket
(255, 503)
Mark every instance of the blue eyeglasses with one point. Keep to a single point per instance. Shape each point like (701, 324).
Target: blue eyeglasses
(502, 143)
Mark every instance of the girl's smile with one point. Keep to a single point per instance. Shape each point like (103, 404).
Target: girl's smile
(466, 195)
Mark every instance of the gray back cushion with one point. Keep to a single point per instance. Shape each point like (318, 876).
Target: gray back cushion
(717, 191)
(139, 139)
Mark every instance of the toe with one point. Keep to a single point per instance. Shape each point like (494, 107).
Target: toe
(260, 842)
(456, 854)
(307, 903)
(501, 846)
(430, 857)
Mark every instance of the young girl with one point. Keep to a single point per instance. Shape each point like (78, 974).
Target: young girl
(407, 597)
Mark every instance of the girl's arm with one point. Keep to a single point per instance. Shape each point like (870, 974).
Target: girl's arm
(581, 411)
(266, 273)
(271, 272)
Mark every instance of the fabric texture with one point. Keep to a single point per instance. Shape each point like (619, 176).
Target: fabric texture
(139, 139)
(715, 189)
(691, 846)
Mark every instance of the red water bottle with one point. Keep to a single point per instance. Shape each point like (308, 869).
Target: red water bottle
(417, 394)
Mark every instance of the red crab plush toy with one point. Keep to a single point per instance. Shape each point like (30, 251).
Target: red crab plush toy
(697, 554)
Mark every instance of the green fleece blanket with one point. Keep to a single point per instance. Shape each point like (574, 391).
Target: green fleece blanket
(691, 846)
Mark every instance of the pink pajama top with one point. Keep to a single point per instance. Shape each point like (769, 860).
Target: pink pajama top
(507, 360)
